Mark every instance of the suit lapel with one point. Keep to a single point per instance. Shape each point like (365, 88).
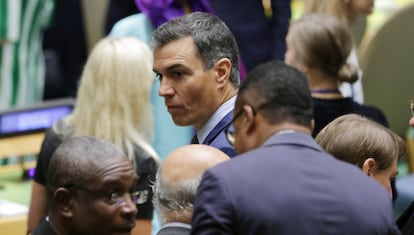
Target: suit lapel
(221, 126)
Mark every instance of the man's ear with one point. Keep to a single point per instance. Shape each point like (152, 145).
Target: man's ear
(63, 198)
(249, 121)
(312, 125)
(368, 166)
(222, 68)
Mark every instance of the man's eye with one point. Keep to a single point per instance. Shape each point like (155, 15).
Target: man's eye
(178, 74)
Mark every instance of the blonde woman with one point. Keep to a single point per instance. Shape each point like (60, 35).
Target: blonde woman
(348, 12)
(365, 143)
(113, 104)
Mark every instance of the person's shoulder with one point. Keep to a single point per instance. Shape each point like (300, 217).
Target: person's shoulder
(137, 25)
(132, 19)
(146, 163)
(367, 108)
(372, 112)
(52, 138)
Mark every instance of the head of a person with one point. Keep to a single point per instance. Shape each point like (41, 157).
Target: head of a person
(177, 180)
(196, 61)
(90, 185)
(322, 43)
(113, 100)
(365, 143)
(347, 11)
(274, 97)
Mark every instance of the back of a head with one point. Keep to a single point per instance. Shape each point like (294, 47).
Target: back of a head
(212, 38)
(283, 89)
(113, 99)
(190, 162)
(178, 178)
(323, 42)
(115, 85)
(354, 138)
(74, 159)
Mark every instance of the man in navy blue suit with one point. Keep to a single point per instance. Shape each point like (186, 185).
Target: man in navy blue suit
(260, 30)
(283, 182)
(196, 61)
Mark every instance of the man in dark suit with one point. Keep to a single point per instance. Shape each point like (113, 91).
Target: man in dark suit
(176, 184)
(260, 29)
(283, 182)
(196, 61)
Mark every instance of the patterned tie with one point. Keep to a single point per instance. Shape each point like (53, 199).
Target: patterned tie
(194, 140)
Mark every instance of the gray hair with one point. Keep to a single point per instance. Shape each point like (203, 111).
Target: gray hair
(174, 200)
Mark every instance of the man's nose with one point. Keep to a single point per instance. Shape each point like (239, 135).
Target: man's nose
(166, 88)
(129, 208)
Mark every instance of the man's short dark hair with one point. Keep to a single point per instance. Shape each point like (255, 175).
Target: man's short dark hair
(212, 38)
(280, 91)
(73, 159)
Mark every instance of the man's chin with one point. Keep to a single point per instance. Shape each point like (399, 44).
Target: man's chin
(180, 122)
(125, 231)
(122, 233)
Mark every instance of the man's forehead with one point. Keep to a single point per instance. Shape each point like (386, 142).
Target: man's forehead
(177, 48)
(111, 166)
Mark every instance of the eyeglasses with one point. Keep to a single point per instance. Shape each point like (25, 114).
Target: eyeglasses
(230, 130)
(411, 106)
(114, 197)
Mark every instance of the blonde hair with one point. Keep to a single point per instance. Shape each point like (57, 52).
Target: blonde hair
(323, 42)
(354, 138)
(113, 100)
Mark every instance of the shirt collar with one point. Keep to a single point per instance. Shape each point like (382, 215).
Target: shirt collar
(176, 224)
(222, 111)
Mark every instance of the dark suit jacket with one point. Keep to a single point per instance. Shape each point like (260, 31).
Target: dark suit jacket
(406, 221)
(217, 137)
(259, 39)
(44, 228)
(174, 229)
(408, 228)
(289, 185)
